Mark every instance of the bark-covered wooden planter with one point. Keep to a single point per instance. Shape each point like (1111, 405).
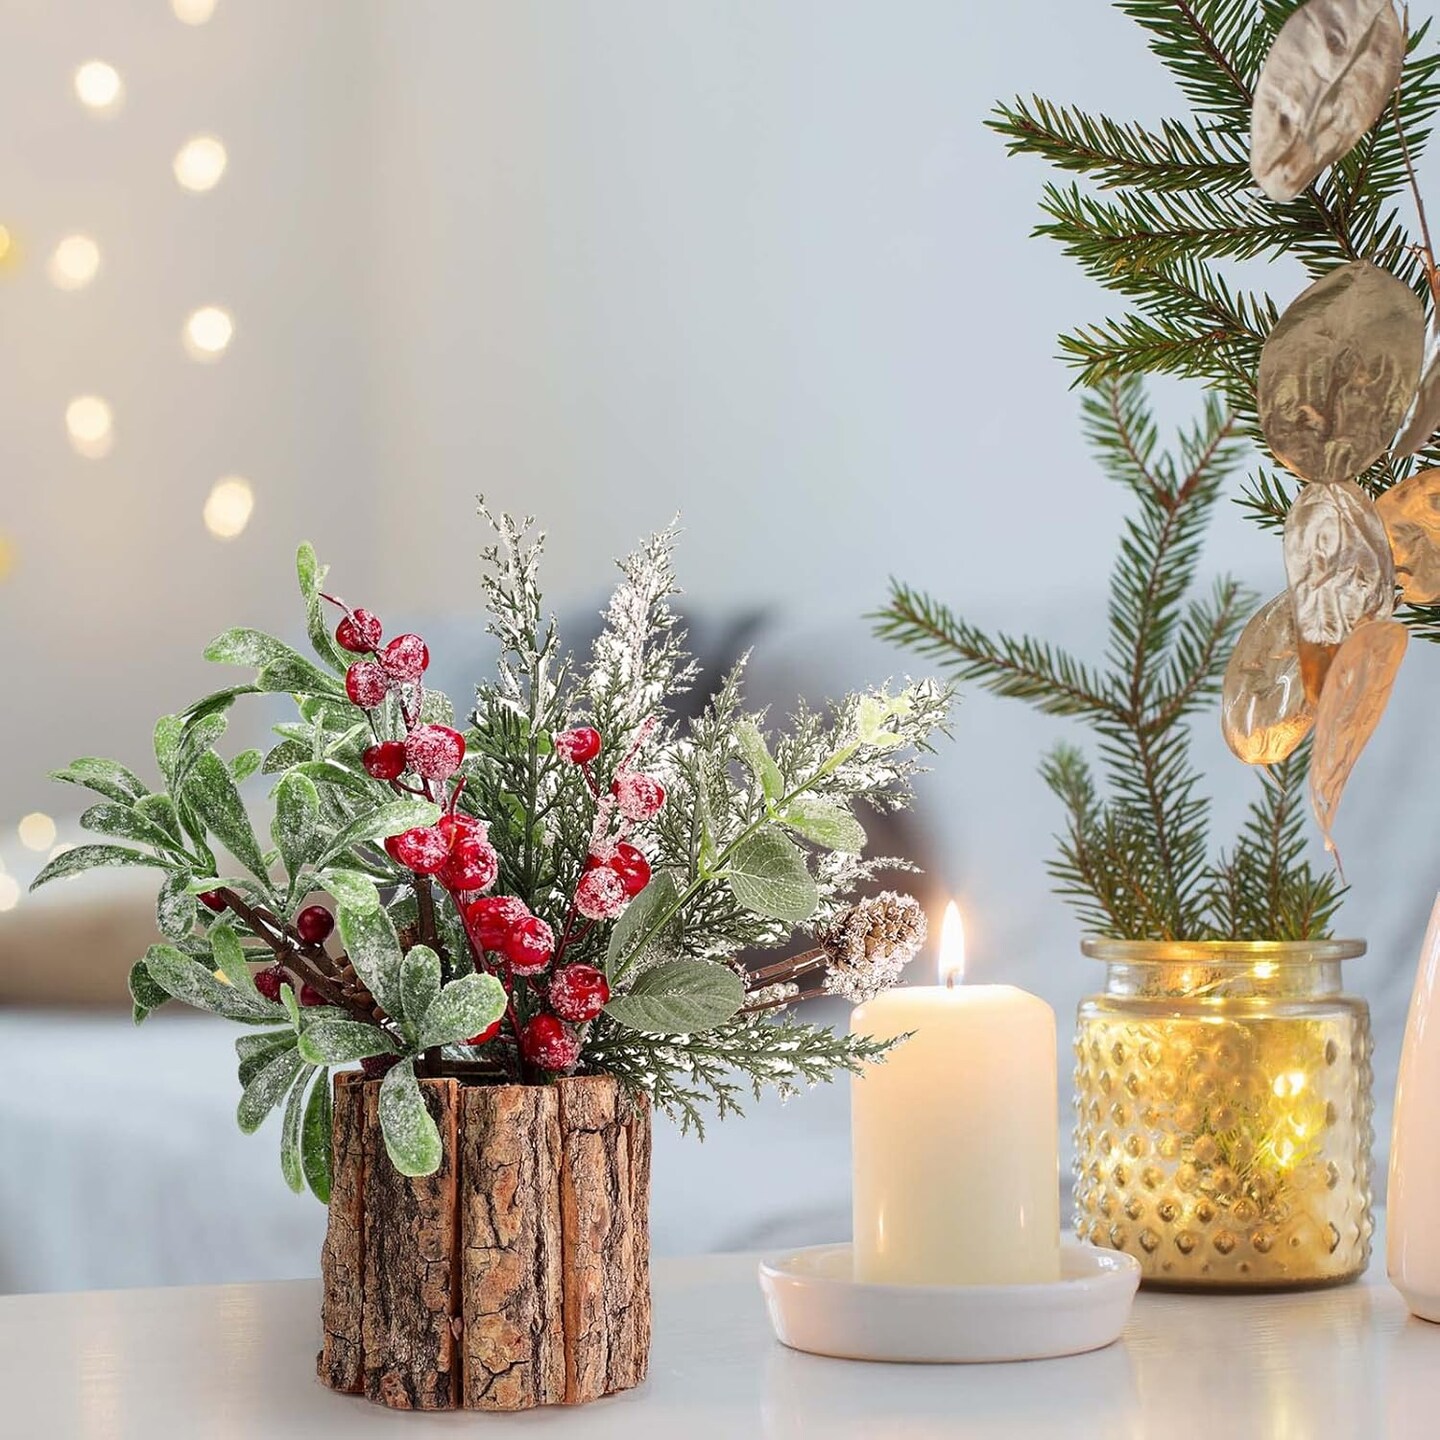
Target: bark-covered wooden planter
(517, 1275)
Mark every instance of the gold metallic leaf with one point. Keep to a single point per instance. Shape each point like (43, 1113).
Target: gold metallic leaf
(1410, 512)
(1339, 371)
(1338, 562)
(1423, 418)
(1264, 713)
(1315, 662)
(1356, 694)
(1327, 77)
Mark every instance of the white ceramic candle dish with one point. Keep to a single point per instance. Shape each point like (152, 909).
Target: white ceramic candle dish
(815, 1304)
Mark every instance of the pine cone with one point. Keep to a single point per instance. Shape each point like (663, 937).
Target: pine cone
(357, 997)
(870, 944)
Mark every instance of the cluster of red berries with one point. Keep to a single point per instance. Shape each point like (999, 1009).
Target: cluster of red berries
(314, 925)
(456, 850)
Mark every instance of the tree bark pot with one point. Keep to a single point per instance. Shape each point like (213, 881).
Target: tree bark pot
(517, 1275)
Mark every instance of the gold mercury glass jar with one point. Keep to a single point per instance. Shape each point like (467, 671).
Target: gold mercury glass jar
(1223, 1113)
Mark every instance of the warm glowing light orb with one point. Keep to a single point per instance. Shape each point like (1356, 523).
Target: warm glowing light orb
(91, 424)
(199, 163)
(98, 86)
(36, 831)
(7, 246)
(952, 946)
(9, 893)
(7, 556)
(193, 12)
(74, 263)
(228, 507)
(207, 332)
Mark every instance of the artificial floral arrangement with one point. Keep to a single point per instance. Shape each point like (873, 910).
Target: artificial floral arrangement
(525, 927)
(1136, 863)
(562, 886)
(1306, 125)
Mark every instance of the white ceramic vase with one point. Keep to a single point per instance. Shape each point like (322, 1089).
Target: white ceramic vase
(1413, 1208)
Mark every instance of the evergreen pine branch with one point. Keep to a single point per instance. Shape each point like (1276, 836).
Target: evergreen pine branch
(1023, 669)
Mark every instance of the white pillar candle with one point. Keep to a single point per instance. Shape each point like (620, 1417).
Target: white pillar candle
(1412, 1221)
(955, 1135)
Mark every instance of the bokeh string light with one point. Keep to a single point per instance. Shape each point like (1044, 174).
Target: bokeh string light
(228, 507)
(199, 163)
(208, 332)
(74, 263)
(36, 831)
(193, 12)
(91, 426)
(98, 87)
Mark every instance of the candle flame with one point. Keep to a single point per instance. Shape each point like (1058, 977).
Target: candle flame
(952, 946)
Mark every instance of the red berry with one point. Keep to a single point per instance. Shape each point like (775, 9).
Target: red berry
(314, 923)
(376, 1067)
(486, 1035)
(593, 862)
(529, 945)
(434, 751)
(637, 796)
(385, 761)
(578, 992)
(578, 745)
(550, 1044)
(309, 995)
(406, 657)
(491, 920)
(213, 899)
(632, 868)
(459, 827)
(359, 632)
(367, 684)
(473, 865)
(268, 982)
(423, 849)
(601, 895)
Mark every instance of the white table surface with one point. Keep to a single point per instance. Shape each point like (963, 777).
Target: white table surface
(232, 1362)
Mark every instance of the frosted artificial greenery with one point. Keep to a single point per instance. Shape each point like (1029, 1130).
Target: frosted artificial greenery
(1168, 209)
(1135, 862)
(643, 860)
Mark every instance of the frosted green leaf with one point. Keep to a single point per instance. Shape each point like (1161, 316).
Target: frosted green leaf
(873, 714)
(267, 1089)
(168, 730)
(145, 994)
(768, 875)
(679, 997)
(213, 794)
(436, 709)
(374, 951)
(294, 675)
(91, 857)
(175, 906)
(230, 956)
(420, 983)
(315, 1139)
(350, 888)
(290, 1165)
(126, 823)
(655, 900)
(296, 826)
(105, 777)
(376, 824)
(189, 980)
(245, 764)
(758, 758)
(160, 811)
(329, 771)
(257, 1051)
(463, 1008)
(826, 823)
(338, 1042)
(311, 574)
(411, 1139)
(214, 705)
(282, 756)
(248, 647)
